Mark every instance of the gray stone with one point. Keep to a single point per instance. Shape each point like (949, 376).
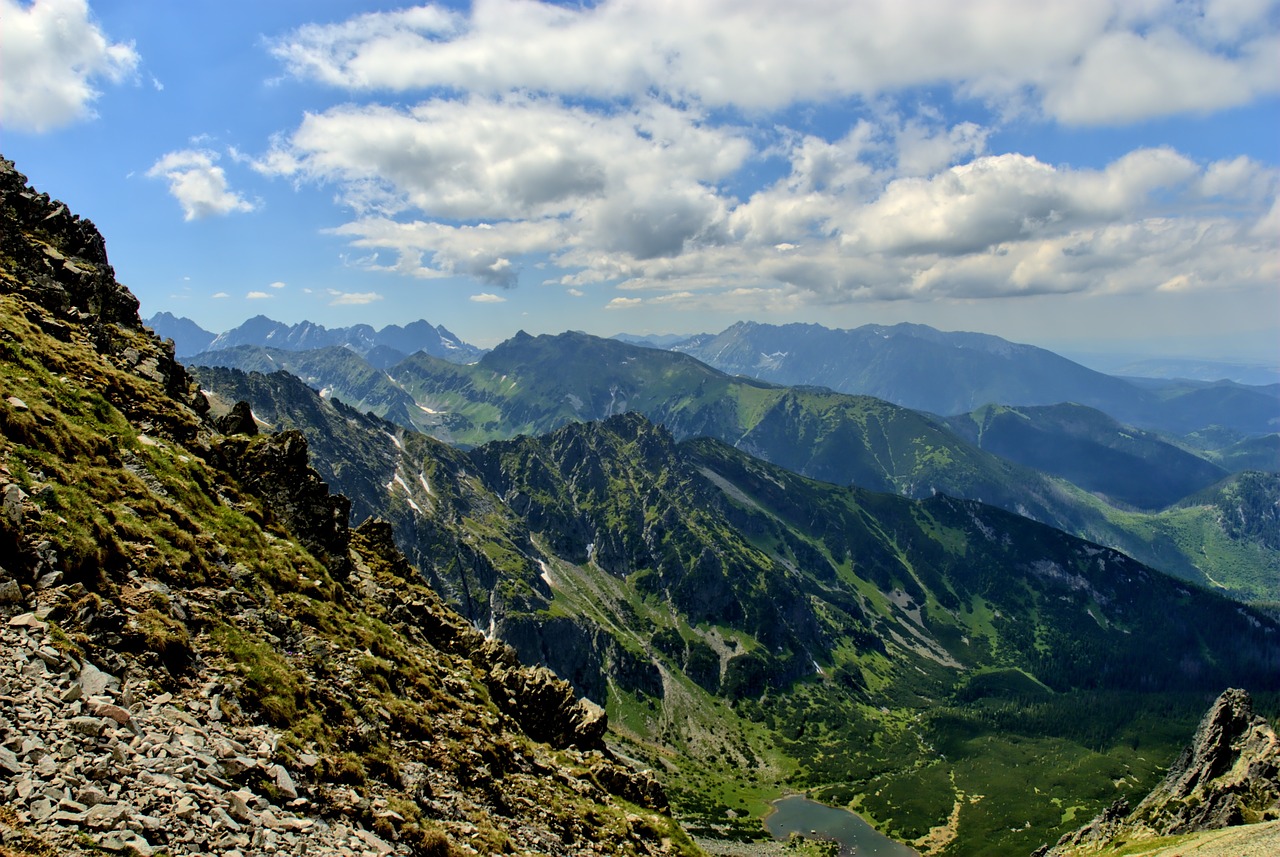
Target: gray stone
(27, 620)
(95, 681)
(13, 497)
(223, 820)
(126, 841)
(48, 581)
(239, 802)
(284, 782)
(237, 765)
(17, 404)
(40, 808)
(85, 725)
(92, 796)
(9, 762)
(105, 816)
(374, 841)
(10, 592)
(115, 712)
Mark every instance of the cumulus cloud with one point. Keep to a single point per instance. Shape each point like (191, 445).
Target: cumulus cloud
(1082, 61)
(621, 143)
(504, 157)
(199, 185)
(52, 57)
(220, 295)
(258, 296)
(487, 298)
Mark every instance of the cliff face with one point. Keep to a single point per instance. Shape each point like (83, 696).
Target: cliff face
(198, 655)
(1228, 776)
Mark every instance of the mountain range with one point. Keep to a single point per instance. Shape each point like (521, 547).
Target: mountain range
(531, 385)
(381, 348)
(683, 584)
(951, 373)
(226, 664)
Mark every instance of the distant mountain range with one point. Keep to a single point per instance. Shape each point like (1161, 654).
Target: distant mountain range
(381, 348)
(1135, 366)
(951, 373)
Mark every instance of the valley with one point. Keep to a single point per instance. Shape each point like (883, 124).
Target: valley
(572, 547)
(632, 601)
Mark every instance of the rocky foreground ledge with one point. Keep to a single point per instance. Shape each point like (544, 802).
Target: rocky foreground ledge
(93, 763)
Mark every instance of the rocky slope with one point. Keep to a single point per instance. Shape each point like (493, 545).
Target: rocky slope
(199, 656)
(1229, 776)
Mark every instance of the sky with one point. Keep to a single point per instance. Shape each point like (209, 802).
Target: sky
(1085, 175)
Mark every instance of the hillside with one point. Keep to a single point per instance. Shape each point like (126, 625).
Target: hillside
(1126, 466)
(219, 661)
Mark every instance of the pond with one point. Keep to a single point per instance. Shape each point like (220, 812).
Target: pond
(796, 814)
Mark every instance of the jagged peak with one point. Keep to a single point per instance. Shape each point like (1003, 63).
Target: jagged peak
(1228, 776)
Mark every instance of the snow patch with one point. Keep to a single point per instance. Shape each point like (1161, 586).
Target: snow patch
(408, 495)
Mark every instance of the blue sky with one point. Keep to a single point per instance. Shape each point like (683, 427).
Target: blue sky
(1086, 175)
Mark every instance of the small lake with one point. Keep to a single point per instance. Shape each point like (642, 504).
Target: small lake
(796, 814)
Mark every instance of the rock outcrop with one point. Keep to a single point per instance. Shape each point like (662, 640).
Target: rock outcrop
(1229, 775)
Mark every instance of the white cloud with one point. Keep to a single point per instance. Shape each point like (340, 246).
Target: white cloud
(199, 185)
(353, 298)
(624, 303)
(1126, 76)
(589, 141)
(52, 56)
(495, 158)
(258, 296)
(1084, 60)
(486, 298)
(220, 295)
(276, 285)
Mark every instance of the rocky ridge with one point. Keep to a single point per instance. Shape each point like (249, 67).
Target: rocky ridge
(1227, 777)
(199, 656)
